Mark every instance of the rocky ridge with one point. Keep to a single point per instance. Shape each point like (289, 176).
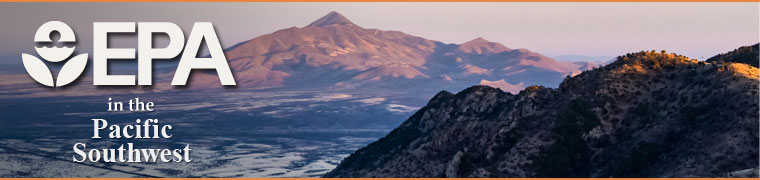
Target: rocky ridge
(647, 114)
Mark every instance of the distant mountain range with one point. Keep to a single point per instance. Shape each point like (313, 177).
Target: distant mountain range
(576, 58)
(647, 114)
(332, 52)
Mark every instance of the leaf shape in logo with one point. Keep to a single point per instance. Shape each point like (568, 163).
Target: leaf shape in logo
(37, 69)
(71, 70)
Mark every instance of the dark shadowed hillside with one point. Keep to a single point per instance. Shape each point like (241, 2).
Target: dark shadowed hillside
(647, 114)
(745, 54)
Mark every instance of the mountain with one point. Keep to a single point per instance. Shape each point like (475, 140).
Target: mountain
(333, 52)
(481, 46)
(745, 54)
(647, 114)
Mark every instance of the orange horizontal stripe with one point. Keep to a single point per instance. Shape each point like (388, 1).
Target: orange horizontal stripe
(404, 178)
(408, 178)
(378, 1)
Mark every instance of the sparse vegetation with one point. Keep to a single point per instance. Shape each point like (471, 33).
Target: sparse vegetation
(648, 114)
(569, 155)
(746, 54)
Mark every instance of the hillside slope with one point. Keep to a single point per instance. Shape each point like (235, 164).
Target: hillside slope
(745, 54)
(648, 114)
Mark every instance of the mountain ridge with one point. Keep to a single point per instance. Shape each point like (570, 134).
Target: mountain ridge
(647, 114)
(745, 54)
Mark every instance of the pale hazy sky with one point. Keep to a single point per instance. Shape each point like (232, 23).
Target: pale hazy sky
(697, 30)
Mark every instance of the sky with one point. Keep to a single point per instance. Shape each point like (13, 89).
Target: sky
(697, 30)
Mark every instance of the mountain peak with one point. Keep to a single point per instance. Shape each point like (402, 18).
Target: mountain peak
(482, 46)
(330, 19)
(477, 40)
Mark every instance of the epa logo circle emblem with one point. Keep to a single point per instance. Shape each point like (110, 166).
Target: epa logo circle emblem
(37, 68)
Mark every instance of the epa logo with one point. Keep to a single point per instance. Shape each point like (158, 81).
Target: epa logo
(146, 53)
(37, 68)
